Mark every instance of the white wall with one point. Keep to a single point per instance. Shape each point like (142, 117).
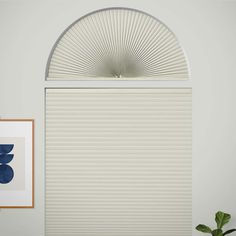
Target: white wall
(207, 31)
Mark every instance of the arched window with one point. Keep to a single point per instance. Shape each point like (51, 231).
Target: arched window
(118, 160)
(117, 43)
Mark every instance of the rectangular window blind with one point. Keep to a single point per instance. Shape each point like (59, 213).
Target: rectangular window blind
(118, 162)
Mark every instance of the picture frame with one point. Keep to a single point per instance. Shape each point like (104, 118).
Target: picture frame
(16, 163)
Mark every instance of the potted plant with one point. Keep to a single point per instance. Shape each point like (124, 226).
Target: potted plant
(221, 219)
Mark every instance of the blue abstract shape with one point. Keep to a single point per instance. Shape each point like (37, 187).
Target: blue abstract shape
(6, 158)
(6, 148)
(6, 174)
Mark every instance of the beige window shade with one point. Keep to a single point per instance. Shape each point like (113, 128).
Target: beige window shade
(118, 162)
(117, 44)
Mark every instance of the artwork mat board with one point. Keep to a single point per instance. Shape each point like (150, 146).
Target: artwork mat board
(20, 128)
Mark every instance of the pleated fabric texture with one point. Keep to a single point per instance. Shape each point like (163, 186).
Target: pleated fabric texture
(117, 44)
(118, 162)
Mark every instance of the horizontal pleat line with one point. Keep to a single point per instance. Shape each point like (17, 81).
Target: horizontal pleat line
(166, 211)
(118, 210)
(132, 182)
(168, 133)
(89, 156)
(118, 163)
(117, 148)
(156, 220)
(111, 233)
(153, 92)
(89, 98)
(111, 188)
(117, 224)
(118, 100)
(125, 150)
(121, 198)
(117, 143)
(96, 133)
(125, 166)
(103, 206)
(125, 110)
(131, 107)
(115, 205)
(160, 180)
(179, 181)
(110, 136)
(118, 228)
(162, 215)
(120, 124)
(125, 189)
(107, 231)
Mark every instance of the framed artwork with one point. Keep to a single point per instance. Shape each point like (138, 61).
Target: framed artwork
(16, 163)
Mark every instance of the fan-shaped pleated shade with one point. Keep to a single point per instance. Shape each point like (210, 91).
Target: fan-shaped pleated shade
(119, 44)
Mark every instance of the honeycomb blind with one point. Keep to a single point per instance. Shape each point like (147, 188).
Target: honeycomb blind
(118, 162)
(117, 44)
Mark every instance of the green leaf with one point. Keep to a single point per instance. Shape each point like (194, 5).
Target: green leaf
(222, 219)
(229, 231)
(203, 228)
(217, 232)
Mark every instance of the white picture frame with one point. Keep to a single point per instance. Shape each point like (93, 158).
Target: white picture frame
(16, 163)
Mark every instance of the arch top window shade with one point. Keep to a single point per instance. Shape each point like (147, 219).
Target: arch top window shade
(117, 44)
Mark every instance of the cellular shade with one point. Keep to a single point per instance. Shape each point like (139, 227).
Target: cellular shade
(117, 44)
(118, 162)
